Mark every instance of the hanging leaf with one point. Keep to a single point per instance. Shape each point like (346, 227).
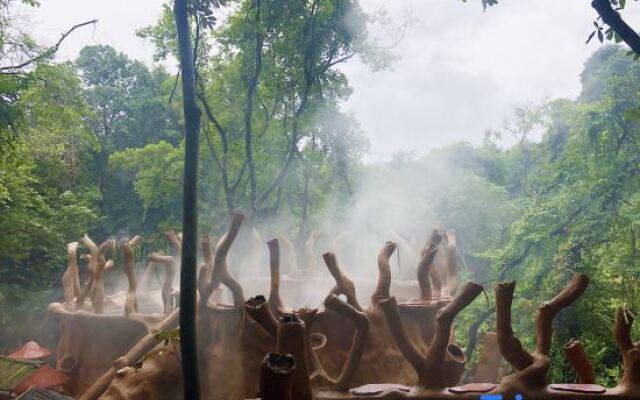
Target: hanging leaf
(609, 34)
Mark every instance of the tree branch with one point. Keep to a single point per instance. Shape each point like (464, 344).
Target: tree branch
(384, 273)
(612, 18)
(48, 52)
(344, 285)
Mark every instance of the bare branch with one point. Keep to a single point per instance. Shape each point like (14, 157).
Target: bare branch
(48, 52)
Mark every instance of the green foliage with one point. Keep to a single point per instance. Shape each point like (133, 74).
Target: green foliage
(172, 336)
(96, 146)
(155, 170)
(46, 197)
(576, 196)
(283, 97)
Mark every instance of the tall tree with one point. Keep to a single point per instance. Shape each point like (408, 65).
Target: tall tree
(189, 257)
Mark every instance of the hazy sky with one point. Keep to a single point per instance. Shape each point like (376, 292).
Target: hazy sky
(460, 70)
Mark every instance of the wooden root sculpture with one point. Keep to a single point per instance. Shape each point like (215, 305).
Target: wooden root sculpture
(175, 240)
(452, 264)
(97, 266)
(131, 301)
(410, 254)
(275, 301)
(361, 322)
(383, 287)
(292, 338)
(275, 376)
(630, 351)
(71, 277)
(169, 277)
(206, 268)
(579, 360)
(220, 273)
(429, 283)
(344, 285)
(133, 356)
(444, 362)
(143, 284)
(532, 367)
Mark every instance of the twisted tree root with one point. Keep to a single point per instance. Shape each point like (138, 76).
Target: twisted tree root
(169, 277)
(220, 273)
(275, 301)
(630, 351)
(424, 267)
(131, 301)
(344, 285)
(579, 360)
(444, 363)
(384, 273)
(97, 265)
(361, 322)
(452, 263)
(292, 339)
(533, 368)
(71, 278)
(175, 240)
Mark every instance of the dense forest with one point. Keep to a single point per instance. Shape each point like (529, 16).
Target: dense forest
(96, 146)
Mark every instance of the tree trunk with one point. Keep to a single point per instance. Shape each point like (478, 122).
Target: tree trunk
(190, 207)
(248, 105)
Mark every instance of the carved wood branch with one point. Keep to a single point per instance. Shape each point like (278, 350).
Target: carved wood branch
(175, 240)
(579, 360)
(131, 301)
(533, 368)
(275, 301)
(452, 263)
(71, 278)
(383, 287)
(258, 309)
(424, 266)
(292, 339)
(344, 285)
(221, 273)
(169, 278)
(361, 322)
(444, 363)
(629, 350)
